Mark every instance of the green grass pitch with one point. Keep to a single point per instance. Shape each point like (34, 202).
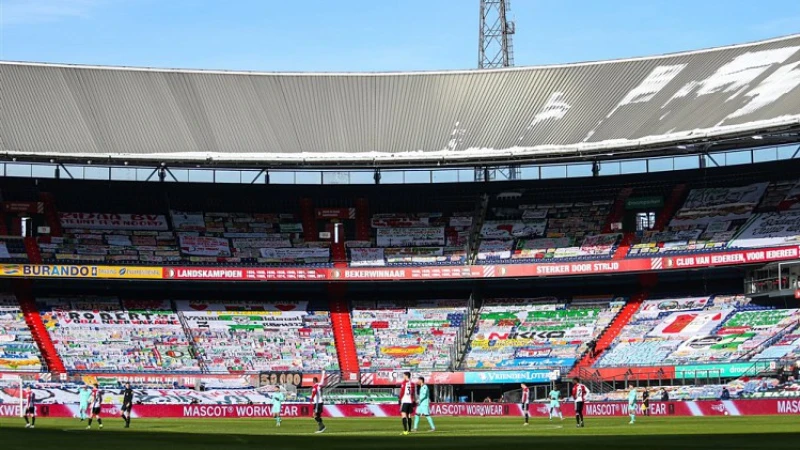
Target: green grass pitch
(725, 433)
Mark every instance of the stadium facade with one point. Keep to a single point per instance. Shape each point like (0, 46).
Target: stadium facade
(690, 273)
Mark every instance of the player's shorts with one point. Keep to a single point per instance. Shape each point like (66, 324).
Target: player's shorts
(524, 406)
(318, 409)
(276, 410)
(579, 407)
(126, 408)
(31, 411)
(423, 409)
(407, 408)
(632, 407)
(96, 410)
(555, 404)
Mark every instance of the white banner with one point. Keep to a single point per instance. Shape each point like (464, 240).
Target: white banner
(703, 206)
(295, 253)
(404, 220)
(97, 221)
(495, 249)
(652, 308)
(461, 221)
(413, 254)
(688, 324)
(506, 230)
(404, 237)
(366, 257)
(188, 221)
(267, 242)
(534, 214)
(770, 230)
(112, 319)
(599, 244)
(243, 319)
(204, 246)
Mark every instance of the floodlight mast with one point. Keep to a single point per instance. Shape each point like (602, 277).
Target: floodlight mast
(496, 30)
(495, 50)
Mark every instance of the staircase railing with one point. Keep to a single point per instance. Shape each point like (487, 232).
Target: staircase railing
(467, 328)
(480, 216)
(198, 355)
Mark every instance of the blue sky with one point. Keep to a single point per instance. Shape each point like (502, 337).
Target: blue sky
(369, 35)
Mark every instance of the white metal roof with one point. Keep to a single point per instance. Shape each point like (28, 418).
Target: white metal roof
(52, 110)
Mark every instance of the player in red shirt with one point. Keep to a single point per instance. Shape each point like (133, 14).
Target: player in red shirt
(579, 393)
(407, 401)
(525, 402)
(30, 408)
(316, 405)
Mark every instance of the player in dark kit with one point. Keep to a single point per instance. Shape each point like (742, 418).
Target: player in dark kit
(316, 405)
(30, 408)
(96, 405)
(127, 404)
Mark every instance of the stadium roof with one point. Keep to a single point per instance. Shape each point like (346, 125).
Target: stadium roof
(528, 113)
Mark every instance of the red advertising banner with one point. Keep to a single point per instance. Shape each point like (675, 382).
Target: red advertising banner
(635, 373)
(592, 409)
(335, 213)
(550, 269)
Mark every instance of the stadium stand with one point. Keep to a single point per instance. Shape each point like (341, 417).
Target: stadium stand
(544, 333)
(691, 330)
(100, 334)
(18, 350)
(410, 335)
(236, 337)
(12, 250)
(745, 216)
(521, 229)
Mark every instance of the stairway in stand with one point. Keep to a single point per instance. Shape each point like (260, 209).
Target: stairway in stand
(22, 289)
(624, 245)
(343, 334)
(607, 337)
(671, 206)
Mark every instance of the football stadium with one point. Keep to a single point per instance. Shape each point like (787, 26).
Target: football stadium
(599, 255)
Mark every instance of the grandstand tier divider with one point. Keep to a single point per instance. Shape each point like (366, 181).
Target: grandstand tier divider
(51, 214)
(343, 336)
(363, 225)
(617, 209)
(308, 219)
(624, 245)
(32, 249)
(611, 332)
(673, 203)
(3, 226)
(27, 304)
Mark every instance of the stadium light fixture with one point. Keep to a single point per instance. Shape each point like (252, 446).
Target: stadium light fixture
(682, 147)
(758, 137)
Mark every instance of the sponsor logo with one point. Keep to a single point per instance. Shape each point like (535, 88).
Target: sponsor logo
(719, 407)
(789, 407)
(364, 411)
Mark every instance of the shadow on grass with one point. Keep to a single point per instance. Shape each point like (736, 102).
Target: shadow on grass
(46, 439)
